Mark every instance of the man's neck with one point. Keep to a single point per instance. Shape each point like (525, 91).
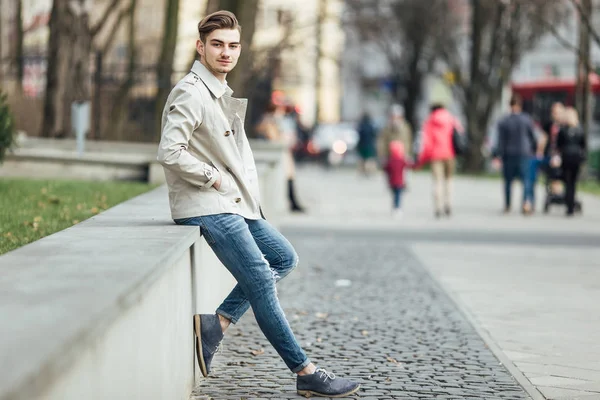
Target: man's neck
(221, 77)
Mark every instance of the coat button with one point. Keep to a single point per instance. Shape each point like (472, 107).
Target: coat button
(227, 133)
(237, 200)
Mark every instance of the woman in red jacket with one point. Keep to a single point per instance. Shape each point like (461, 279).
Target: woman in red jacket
(438, 150)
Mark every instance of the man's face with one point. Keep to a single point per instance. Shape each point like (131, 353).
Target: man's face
(221, 51)
(557, 112)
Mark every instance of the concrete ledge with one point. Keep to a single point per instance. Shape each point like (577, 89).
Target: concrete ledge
(97, 310)
(104, 160)
(102, 310)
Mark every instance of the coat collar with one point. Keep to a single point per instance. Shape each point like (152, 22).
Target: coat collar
(211, 81)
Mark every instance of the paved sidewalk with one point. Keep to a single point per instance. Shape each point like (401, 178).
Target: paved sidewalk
(392, 328)
(530, 286)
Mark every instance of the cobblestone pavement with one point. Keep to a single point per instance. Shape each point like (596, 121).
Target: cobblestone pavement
(392, 329)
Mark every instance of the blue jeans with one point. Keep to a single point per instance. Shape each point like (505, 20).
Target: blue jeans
(515, 167)
(258, 256)
(534, 164)
(397, 191)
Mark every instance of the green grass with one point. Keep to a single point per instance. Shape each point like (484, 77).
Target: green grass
(32, 209)
(592, 187)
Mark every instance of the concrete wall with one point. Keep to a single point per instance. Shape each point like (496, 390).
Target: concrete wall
(106, 160)
(103, 310)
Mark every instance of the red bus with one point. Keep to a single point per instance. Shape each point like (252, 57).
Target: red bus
(538, 96)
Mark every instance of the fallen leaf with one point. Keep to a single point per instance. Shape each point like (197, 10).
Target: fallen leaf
(319, 340)
(364, 333)
(75, 221)
(392, 360)
(321, 315)
(44, 190)
(257, 352)
(94, 210)
(37, 219)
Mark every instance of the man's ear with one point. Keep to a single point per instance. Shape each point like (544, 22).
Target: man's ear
(200, 47)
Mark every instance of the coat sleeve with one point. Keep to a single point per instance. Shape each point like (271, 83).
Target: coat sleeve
(181, 117)
(500, 140)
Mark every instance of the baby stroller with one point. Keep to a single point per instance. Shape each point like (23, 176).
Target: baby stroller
(555, 189)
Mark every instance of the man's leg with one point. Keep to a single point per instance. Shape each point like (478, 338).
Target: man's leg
(507, 172)
(247, 248)
(525, 176)
(230, 238)
(280, 255)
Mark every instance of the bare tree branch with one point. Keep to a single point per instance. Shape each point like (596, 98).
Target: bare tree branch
(113, 32)
(586, 20)
(110, 8)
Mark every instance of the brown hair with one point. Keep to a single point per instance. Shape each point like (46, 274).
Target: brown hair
(516, 100)
(218, 20)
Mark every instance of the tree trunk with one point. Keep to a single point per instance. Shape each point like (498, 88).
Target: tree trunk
(213, 6)
(68, 73)
(165, 62)
(476, 128)
(413, 83)
(120, 109)
(1, 47)
(318, 56)
(582, 100)
(238, 78)
(19, 56)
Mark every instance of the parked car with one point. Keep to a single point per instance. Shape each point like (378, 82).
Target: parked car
(334, 144)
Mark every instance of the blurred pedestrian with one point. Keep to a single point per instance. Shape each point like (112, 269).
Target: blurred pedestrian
(279, 126)
(366, 147)
(396, 128)
(548, 144)
(395, 168)
(516, 145)
(438, 149)
(572, 146)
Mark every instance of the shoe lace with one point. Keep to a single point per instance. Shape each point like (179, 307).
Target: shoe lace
(324, 374)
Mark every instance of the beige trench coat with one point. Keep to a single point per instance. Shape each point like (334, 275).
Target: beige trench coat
(203, 138)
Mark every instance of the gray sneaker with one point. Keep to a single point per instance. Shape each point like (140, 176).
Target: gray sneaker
(325, 384)
(208, 337)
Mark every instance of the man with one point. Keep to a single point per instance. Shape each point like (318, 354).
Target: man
(213, 184)
(516, 145)
(397, 129)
